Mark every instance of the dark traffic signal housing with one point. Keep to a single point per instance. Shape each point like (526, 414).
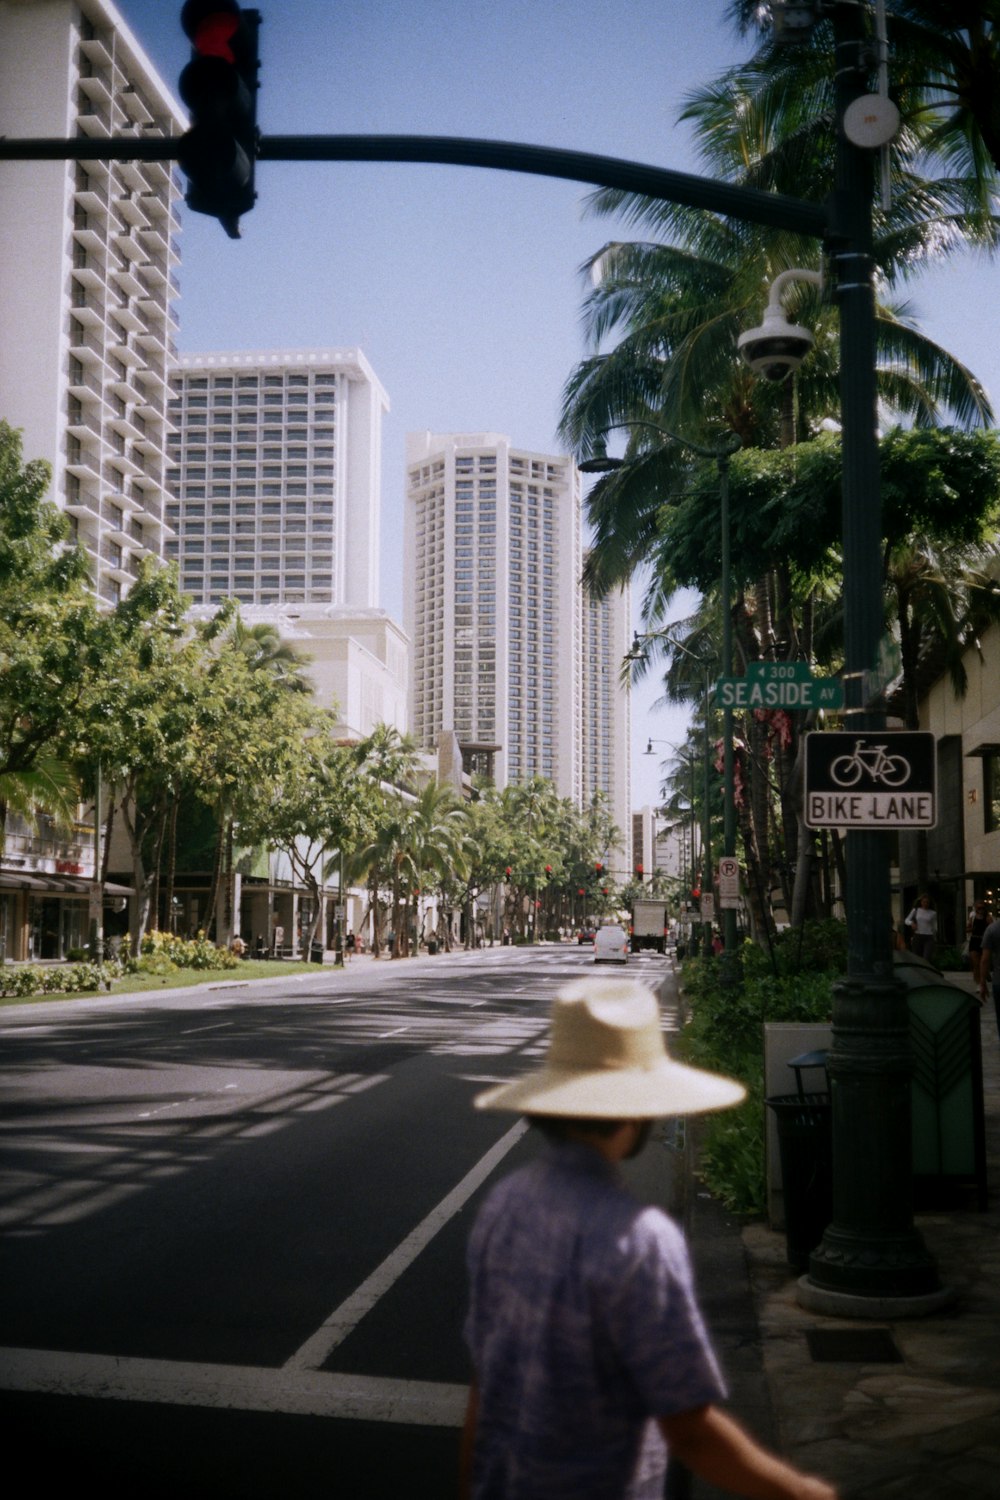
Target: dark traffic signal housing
(219, 87)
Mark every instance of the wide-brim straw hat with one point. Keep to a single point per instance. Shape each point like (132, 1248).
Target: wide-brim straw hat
(607, 1061)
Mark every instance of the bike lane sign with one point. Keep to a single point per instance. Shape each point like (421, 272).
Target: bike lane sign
(873, 779)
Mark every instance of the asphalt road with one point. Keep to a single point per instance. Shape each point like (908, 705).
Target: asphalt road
(233, 1222)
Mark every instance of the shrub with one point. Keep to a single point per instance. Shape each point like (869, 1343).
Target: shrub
(725, 1032)
(183, 953)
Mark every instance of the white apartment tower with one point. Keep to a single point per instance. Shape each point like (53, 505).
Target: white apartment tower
(87, 257)
(495, 611)
(275, 477)
(492, 564)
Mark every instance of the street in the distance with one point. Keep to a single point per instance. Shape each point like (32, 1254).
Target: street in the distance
(234, 1220)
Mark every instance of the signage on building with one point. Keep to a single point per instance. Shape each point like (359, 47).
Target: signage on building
(779, 684)
(880, 779)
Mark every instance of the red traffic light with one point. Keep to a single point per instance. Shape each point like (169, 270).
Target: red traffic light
(212, 34)
(598, 867)
(696, 892)
(219, 87)
(507, 872)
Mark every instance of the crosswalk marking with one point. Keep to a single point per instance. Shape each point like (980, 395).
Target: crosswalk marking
(420, 1403)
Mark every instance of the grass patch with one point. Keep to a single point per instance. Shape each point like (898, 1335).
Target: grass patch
(137, 984)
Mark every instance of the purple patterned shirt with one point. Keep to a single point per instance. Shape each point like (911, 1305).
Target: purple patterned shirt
(582, 1328)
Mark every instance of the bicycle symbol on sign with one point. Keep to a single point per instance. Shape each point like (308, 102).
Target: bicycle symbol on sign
(873, 761)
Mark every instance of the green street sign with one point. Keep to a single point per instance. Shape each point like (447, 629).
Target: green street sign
(779, 671)
(796, 690)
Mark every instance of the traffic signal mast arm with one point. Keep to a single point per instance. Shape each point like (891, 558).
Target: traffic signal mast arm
(756, 207)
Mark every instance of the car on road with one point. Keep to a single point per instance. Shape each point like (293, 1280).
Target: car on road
(585, 935)
(611, 945)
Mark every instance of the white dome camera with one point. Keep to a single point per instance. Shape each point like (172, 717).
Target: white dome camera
(777, 348)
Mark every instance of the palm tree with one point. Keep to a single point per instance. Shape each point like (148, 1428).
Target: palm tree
(944, 60)
(676, 308)
(48, 785)
(390, 760)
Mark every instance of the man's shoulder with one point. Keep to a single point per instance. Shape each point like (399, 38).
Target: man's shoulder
(992, 933)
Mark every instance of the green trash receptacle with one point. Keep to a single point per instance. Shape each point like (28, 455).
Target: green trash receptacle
(805, 1147)
(948, 1118)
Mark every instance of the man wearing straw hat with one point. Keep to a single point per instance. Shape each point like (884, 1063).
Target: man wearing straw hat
(589, 1353)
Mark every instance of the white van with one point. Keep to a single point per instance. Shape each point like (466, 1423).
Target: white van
(611, 946)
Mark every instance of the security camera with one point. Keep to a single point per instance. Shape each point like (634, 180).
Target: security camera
(777, 348)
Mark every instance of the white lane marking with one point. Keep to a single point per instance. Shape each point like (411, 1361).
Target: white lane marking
(233, 1387)
(215, 1026)
(317, 1349)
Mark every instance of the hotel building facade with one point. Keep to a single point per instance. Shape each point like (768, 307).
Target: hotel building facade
(275, 477)
(507, 653)
(88, 254)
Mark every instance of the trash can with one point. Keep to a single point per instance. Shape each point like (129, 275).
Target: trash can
(805, 1145)
(432, 946)
(316, 953)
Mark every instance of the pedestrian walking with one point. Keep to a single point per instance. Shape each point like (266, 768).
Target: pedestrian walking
(990, 968)
(975, 927)
(922, 927)
(589, 1353)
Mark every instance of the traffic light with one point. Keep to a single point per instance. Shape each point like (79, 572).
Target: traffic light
(219, 87)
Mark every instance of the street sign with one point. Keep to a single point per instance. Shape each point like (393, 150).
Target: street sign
(707, 906)
(882, 779)
(888, 665)
(729, 882)
(792, 686)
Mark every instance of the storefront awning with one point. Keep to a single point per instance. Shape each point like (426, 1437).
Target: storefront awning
(57, 885)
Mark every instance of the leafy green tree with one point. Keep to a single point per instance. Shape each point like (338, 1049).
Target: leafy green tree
(48, 625)
(254, 712)
(317, 806)
(390, 761)
(139, 709)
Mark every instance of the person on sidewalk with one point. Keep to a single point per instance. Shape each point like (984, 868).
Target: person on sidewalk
(922, 927)
(975, 927)
(989, 970)
(590, 1357)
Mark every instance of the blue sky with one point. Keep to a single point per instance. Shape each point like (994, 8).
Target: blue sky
(462, 286)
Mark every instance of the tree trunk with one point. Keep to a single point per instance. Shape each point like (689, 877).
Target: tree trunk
(214, 887)
(171, 924)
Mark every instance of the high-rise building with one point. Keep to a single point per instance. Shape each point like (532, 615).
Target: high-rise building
(87, 256)
(507, 653)
(275, 474)
(491, 580)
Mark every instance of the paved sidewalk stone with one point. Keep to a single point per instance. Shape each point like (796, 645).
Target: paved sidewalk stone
(925, 1428)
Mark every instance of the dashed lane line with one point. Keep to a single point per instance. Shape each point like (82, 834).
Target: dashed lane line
(316, 1350)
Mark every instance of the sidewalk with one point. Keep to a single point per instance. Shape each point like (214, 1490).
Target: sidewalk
(926, 1426)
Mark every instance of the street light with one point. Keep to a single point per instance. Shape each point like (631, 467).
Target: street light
(688, 758)
(599, 462)
(872, 1260)
(706, 873)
